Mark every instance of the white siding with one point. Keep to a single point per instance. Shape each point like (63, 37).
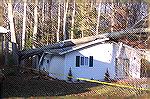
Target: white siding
(55, 67)
(102, 59)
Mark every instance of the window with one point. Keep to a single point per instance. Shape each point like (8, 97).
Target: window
(82, 60)
(77, 61)
(86, 60)
(91, 61)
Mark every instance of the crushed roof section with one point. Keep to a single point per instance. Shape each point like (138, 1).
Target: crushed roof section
(65, 50)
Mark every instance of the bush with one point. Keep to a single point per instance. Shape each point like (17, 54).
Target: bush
(70, 75)
(107, 76)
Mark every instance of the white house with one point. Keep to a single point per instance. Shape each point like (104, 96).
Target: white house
(91, 60)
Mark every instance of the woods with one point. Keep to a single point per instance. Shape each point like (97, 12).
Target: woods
(34, 23)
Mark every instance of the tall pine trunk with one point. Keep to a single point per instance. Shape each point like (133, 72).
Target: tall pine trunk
(148, 38)
(24, 25)
(98, 19)
(43, 17)
(112, 16)
(12, 30)
(58, 28)
(73, 18)
(35, 21)
(65, 19)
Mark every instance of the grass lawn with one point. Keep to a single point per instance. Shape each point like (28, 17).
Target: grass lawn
(24, 86)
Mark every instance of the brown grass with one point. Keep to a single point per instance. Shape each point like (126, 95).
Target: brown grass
(25, 86)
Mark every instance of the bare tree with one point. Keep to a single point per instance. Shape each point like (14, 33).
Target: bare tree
(112, 15)
(13, 35)
(98, 18)
(24, 24)
(1, 15)
(58, 28)
(11, 22)
(73, 16)
(65, 18)
(148, 38)
(35, 20)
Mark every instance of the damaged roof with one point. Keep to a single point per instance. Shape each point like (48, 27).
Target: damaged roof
(64, 50)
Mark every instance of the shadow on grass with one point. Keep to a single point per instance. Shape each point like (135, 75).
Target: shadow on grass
(17, 87)
(24, 85)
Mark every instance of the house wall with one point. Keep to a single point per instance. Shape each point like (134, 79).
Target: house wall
(135, 64)
(103, 58)
(54, 64)
(134, 58)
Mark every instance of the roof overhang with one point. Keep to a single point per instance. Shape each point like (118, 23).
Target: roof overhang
(3, 30)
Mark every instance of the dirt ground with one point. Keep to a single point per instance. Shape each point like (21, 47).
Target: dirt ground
(28, 85)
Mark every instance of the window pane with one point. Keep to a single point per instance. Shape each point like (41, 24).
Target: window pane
(86, 60)
(82, 60)
(77, 61)
(91, 61)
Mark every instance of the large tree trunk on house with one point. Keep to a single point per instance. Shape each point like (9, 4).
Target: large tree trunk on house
(112, 35)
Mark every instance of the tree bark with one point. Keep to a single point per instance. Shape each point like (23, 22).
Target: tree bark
(148, 39)
(58, 28)
(1, 15)
(12, 30)
(24, 25)
(65, 19)
(10, 17)
(98, 19)
(112, 16)
(73, 16)
(35, 21)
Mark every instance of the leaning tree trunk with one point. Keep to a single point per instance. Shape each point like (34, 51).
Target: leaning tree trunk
(12, 30)
(24, 25)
